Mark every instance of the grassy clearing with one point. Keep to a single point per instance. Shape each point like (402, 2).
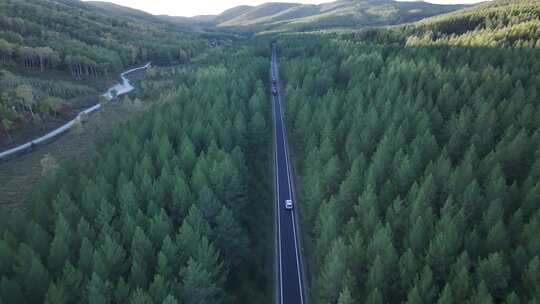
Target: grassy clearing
(20, 174)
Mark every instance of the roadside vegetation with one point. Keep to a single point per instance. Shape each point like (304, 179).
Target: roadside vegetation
(54, 51)
(36, 100)
(419, 162)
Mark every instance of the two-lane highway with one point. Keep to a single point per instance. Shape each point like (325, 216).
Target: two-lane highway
(290, 287)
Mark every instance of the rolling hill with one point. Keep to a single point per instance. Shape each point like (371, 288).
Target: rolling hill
(344, 13)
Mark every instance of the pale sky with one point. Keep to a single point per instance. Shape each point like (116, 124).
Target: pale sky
(190, 8)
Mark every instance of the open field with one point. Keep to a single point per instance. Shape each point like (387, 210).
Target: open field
(19, 175)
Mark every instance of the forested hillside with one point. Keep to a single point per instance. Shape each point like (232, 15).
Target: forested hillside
(48, 47)
(337, 14)
(85, 39)
(501, 23)
(416, 150)
(158, 213)
(419, 159)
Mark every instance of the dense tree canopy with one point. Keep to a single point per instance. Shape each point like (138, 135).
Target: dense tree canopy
(156, 214)
(418, 168)
(417, 150)
(500, 23)
(86, 40)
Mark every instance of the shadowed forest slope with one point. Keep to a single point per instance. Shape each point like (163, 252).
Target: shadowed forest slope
(156, 214)
(418, 159)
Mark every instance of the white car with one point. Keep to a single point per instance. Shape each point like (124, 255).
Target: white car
(288, 204)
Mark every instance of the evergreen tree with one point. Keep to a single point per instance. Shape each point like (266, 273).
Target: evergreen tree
(97, 290)
(55, 294)
(374, 297)
(446, 296)
(531, 278)
(345, 296)
(198, 286)
(333, 273)
(140, 297)
(36, 281)
(494, 272)
(170, 300)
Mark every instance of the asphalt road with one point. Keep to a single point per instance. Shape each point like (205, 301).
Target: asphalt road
(290, 287)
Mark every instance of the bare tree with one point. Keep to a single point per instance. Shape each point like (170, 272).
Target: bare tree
(25, 96)
(49, 164)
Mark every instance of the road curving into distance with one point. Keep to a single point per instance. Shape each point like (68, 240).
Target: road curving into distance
(119, 88)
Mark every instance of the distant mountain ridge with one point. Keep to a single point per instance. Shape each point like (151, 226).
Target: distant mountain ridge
(281, 16)
(278, 16)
